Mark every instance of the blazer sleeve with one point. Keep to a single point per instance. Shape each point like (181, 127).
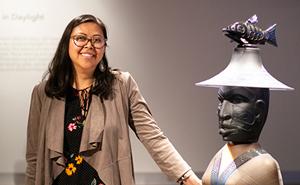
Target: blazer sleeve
(157, 144)
(32, 136)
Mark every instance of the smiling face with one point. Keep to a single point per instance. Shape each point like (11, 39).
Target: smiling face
(242, 112)
(85, 59)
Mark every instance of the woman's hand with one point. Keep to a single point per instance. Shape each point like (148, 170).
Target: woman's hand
(192, 180)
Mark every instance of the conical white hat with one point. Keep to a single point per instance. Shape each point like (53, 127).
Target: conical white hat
(245, 69)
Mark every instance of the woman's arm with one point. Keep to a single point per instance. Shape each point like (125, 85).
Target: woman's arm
(148, 132)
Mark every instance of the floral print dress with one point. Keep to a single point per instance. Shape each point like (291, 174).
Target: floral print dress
(77, 170)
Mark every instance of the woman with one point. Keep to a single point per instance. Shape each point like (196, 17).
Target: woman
(78, 122)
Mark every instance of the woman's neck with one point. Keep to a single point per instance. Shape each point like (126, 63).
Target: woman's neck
(82, 81)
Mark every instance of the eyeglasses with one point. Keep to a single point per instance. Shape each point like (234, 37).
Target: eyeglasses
(97, 41)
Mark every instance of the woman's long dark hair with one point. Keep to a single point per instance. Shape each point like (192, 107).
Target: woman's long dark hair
(60, 73)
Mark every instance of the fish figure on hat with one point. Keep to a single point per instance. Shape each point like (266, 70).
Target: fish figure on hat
(248, 33)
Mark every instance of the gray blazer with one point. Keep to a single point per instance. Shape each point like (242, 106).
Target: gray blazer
(105, 143)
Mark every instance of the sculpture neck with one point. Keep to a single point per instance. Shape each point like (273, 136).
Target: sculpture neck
(238, 149)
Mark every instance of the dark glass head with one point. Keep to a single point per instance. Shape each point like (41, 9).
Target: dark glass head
(242, 113)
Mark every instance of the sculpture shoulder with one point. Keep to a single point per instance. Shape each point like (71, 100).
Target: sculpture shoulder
(266, 161)
(262, 169)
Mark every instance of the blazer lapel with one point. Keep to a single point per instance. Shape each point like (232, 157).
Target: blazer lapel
(55, 130)
(92, 132)
(93, 129)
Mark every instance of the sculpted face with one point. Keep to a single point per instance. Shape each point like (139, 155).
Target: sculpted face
(242, 112)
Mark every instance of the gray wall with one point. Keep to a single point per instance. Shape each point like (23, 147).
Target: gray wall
(167, 46)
